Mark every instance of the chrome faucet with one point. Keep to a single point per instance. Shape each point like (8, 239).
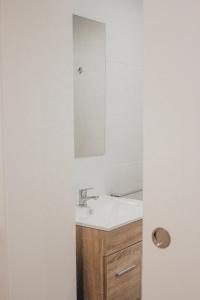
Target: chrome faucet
(83, 197)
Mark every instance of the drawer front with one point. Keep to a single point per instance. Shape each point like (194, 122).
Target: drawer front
(123, 274)
(123, 237)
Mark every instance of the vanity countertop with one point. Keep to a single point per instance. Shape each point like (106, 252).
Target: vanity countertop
(108, 213)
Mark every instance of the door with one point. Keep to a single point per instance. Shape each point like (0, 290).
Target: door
(37, 120)
(3, 245)
(172, 149)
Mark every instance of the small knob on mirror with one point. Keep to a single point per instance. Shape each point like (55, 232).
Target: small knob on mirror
(80, 70)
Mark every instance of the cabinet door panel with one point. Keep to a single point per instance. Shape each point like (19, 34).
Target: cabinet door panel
(123, 274)
(125, 236)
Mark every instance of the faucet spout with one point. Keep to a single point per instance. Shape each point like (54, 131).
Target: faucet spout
(83, 197)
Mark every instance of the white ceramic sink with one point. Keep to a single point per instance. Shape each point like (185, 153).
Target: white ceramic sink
(108, 213)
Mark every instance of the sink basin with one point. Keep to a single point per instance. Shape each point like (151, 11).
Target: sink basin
(108, 213)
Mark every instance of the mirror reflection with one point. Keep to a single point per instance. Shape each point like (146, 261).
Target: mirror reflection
(89, 86)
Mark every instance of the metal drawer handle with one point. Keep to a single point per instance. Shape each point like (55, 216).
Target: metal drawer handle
(127, 270)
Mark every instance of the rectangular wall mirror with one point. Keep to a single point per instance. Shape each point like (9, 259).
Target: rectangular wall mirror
(89, 86)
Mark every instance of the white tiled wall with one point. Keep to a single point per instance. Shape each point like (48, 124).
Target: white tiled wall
(120, 169)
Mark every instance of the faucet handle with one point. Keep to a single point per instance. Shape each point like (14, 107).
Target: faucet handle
(83, 192)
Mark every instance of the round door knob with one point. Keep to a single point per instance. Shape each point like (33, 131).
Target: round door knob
(161, 238)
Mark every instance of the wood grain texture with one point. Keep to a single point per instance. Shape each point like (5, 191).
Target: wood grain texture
(79, 263)
(127, 286)
(123, 237)
(90, 263)
(97, 251)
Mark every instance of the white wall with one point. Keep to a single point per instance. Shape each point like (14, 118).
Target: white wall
(37, 87)
(120, 170)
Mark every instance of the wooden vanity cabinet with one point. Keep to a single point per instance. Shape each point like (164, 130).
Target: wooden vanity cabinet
(109, 263)
(123, 274)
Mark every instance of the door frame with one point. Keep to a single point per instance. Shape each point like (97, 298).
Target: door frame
(3, 235)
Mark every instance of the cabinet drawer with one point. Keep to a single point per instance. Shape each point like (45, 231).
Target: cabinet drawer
(123, 237)
(123, 274)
